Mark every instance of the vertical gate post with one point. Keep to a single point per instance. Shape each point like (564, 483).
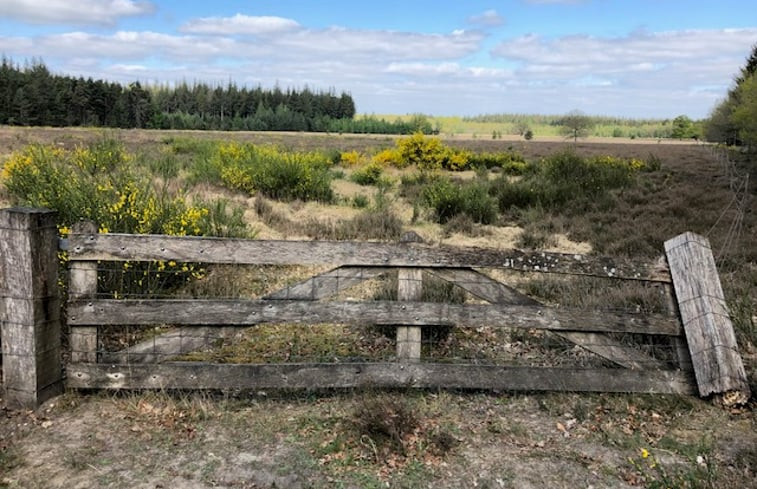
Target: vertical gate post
(83, 285)
(29, 306)
(707, 325)
(409, 288)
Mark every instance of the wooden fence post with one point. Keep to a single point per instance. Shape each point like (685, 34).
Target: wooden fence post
(29, 307)
(82, 286)
(704, 313)
(409, 288)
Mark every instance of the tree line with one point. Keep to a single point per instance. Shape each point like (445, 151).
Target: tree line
(33, 96)
(734, 120)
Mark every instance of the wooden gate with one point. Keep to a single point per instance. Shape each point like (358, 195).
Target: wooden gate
(628, 367)
(520, 341)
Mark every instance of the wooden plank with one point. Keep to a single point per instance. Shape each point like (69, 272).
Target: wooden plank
(233, 312)
(82, 285)
(372, 375)
(704, 312)
(120, 247)
(409, 288)
(496, 292)
(327, 284)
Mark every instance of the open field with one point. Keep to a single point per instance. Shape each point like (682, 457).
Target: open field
(419, 439)
(484, 127)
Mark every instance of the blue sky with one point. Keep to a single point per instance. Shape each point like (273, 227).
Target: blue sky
(623, 58)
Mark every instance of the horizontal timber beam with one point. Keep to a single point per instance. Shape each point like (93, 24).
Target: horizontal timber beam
(346, 375)
(251, 312)
(128, 247)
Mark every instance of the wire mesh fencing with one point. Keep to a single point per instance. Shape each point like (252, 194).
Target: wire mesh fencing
(317, 314)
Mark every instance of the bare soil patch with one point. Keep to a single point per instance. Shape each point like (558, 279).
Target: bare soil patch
(500, 440)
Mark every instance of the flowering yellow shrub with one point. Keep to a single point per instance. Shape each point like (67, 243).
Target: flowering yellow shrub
(429, 153)
(351, 158)
(98, 183)
(275, 173)
(389, 156)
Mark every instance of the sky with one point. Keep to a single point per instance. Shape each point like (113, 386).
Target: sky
(625, 58)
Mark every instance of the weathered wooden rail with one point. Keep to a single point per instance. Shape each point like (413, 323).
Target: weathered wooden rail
(706, 356)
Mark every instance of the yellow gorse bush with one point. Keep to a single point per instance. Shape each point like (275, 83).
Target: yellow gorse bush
(351, 158)
(389, 156)
(429, 153)
(100, 183)
(274, 172)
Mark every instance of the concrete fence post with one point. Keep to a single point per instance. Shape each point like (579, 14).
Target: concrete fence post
(30, 323)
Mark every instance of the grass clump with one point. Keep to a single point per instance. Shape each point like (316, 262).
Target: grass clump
(697, 472)
(369, 174)
(371, 224)
(448, 199)
(386, 421)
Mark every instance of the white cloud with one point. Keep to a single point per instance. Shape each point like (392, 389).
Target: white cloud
(239, 24)
(73, 12)
(625, 57)
(303, 45)
(489, 18)
(642, 74)
(125, 45)
(129, 69)
(380, 45)
(446, 70)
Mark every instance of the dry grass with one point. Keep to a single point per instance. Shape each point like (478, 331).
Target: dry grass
(373, 439)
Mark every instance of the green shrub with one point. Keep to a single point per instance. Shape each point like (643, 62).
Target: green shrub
(360, 201)
(448, 199)
(369, 174)
(510, 162)
(567, 176)
(103, 183)
(513, 194)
